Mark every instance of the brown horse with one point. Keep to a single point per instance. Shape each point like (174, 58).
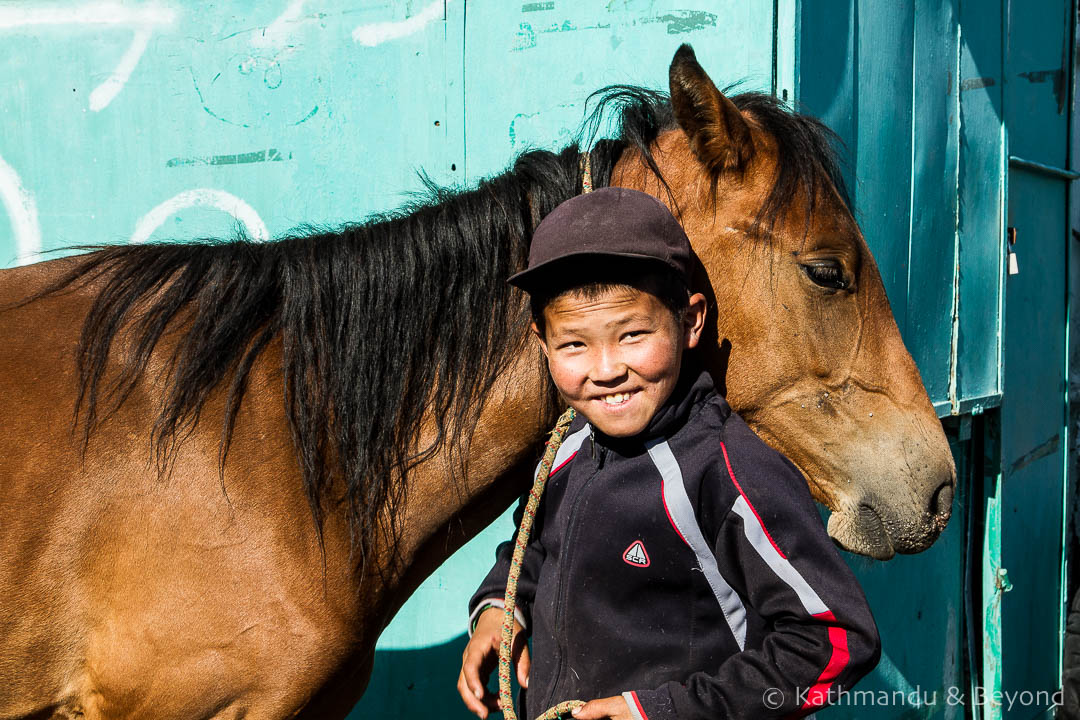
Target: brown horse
(275, 443)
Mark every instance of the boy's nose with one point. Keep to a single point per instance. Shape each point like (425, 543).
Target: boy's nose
(608, 367)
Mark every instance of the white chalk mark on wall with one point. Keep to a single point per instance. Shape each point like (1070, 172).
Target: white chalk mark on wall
(22, 211)
(104, 93)
(205, 197)
(143, 21)
(375, 33)
(275, 34)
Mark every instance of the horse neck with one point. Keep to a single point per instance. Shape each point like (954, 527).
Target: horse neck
(451, 498)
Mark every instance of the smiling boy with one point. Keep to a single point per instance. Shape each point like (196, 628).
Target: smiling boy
(678, 567)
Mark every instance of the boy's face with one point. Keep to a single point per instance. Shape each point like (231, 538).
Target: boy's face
(616, 358)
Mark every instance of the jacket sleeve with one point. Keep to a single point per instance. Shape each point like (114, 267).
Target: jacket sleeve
(493, 587)
(772, 548)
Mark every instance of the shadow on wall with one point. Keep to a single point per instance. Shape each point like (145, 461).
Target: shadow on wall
(413, 683)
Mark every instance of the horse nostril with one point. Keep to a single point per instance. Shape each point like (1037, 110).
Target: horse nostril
(941, 502)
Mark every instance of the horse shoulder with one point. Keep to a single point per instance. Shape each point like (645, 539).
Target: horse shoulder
(122, 586)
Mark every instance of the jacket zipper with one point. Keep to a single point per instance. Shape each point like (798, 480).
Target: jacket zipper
(571, 529)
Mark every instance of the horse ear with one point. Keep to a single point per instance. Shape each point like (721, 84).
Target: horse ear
(719, 135)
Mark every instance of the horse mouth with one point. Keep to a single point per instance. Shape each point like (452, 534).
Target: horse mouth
(861, 531)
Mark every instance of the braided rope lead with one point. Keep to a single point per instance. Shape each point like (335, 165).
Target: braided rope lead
(585, 164)
(506, 701)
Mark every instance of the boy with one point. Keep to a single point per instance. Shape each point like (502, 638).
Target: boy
(678, 567)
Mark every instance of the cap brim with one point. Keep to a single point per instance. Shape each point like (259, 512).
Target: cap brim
(536, 277)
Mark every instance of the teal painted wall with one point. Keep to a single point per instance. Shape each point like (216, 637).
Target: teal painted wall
(128, 121)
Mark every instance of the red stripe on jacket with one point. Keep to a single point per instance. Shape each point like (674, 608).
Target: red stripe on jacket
(738, 487)
(818, 695)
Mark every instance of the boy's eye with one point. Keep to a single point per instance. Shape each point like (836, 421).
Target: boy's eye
(635, 333)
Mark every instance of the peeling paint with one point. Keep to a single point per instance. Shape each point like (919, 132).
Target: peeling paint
(526, 34)
(678, 22)
(530, 135)
(513, 132)
(271, 155)
(526, 37)
(684, 21)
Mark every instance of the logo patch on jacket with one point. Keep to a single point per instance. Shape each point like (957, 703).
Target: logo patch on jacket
(635, 555)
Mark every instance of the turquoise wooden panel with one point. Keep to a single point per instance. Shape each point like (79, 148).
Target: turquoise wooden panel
(934, 162)
(1034, 406)
(981, 199)
(883, 140)
(1037, 81)
(825, 70)
(1033, 437)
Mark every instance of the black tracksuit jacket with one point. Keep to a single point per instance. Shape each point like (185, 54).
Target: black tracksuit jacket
(686, 568)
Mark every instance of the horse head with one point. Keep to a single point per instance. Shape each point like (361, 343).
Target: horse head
(806, 347)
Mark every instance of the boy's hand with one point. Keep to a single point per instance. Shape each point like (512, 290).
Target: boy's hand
(482, 656)
(612, 707)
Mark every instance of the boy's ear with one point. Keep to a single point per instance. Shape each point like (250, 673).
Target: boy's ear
(694, 320)
(539, 337)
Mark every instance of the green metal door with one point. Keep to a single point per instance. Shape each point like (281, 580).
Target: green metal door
(931, 99)
(1033, 411)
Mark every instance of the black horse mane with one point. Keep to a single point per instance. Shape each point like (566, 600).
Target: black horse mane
(380, 322)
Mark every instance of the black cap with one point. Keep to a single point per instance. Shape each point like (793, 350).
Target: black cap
(607, 223)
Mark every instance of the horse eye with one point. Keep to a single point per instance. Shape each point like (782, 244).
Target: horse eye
(827, 274)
